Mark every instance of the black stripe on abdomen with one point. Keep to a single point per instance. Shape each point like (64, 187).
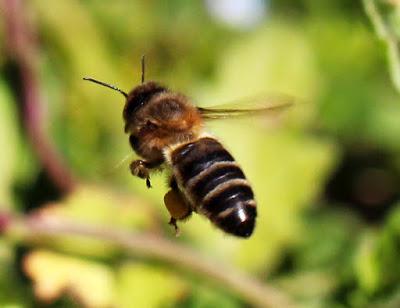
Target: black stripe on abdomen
(240, 220)
(216, 185)
(206, 181)
(191, 158)
(231, 207)
(226, 196)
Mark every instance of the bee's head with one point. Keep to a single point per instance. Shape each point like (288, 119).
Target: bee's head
(139, 97)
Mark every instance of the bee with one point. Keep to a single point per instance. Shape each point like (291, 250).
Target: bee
(166, 129)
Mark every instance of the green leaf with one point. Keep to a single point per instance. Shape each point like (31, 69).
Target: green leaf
(141, 285)
(14, 292)
(367, 265)
(204, 297)
(9, 144)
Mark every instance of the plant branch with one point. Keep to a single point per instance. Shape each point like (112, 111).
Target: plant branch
(385, 33)
(22, 48)
(39, 228)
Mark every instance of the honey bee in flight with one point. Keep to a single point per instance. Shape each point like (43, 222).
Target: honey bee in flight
(166, 129)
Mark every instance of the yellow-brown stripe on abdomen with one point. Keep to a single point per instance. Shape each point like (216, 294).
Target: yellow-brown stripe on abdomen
(216, 185)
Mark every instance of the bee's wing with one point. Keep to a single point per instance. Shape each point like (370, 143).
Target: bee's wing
(247, 107)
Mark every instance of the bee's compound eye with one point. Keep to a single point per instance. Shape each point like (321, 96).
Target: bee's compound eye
(176, 206)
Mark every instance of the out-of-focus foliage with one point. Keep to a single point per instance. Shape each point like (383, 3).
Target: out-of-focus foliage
(326, 173)
(53, 274)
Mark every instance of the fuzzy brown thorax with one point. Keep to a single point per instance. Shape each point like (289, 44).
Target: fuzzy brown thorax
(156, 118)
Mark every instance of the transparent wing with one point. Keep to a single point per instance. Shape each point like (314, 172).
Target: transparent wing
(248, 107)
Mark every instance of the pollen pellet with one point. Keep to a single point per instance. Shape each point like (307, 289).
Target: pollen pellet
(176, 206)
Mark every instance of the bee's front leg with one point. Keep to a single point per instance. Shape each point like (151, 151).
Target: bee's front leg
(141, 169)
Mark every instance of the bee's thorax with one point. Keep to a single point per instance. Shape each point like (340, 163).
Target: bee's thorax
(156, 118)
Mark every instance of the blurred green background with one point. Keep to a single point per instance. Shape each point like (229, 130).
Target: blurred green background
(326, 172)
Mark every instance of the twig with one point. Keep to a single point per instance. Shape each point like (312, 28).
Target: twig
(384, 32)
(22, 47)
(40, 228)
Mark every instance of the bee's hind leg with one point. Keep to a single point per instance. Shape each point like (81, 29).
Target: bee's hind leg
(177, 205)
(172, 222)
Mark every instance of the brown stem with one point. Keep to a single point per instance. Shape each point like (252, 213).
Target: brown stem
(22, 47)
(5, 220)
(38, 228)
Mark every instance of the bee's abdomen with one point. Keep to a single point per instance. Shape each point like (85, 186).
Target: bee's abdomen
(216, 185)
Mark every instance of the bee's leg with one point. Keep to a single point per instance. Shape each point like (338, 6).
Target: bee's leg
(141, 168)
(177, 205)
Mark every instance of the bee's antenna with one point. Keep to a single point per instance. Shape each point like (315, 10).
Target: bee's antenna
(143, 67)
(106, 85)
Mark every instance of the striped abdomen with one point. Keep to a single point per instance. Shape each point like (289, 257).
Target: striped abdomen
(215, 185)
